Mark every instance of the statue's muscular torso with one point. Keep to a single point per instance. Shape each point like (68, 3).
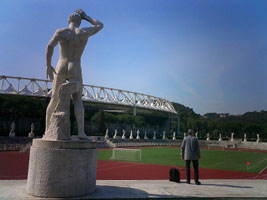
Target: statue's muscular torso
(72, 44)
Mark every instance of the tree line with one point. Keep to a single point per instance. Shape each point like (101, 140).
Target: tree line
(24, 110)
(251, 123)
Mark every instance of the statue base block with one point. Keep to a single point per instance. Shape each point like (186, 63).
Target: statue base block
(62, 168)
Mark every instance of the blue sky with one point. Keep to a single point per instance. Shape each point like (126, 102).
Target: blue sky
(210, 55)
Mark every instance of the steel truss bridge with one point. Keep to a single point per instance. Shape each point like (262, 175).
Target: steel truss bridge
(91, 93)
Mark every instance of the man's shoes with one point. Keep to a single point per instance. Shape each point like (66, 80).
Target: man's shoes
(198, 183)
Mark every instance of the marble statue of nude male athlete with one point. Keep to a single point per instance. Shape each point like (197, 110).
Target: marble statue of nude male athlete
(72, 42)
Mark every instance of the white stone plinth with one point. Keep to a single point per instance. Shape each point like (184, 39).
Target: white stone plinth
(62, 168)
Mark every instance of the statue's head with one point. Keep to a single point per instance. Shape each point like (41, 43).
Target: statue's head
(74, 18)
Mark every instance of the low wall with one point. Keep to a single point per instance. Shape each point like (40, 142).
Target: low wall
(253, 145)
(23, 143)
(234, 144)
(15, 143)
(144, 143)
(203, 143)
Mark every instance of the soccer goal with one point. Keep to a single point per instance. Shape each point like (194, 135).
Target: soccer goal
(126, 154)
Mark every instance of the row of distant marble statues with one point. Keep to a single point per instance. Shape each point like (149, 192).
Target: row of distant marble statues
(232, 137)
(13, 134)
(115, 136)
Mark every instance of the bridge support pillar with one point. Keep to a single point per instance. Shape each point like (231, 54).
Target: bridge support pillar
(134, 111)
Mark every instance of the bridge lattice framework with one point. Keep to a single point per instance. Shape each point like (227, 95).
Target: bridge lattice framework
(42, 88)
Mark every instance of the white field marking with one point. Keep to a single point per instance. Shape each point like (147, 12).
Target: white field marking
(261, 176)
(262, 170)
(258, 163)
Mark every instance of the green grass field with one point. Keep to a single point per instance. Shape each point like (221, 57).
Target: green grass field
(212, 159)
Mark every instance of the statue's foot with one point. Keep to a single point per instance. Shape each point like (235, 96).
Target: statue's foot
(83, 136)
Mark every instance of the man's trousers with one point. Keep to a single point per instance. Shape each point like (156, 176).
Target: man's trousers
(195, 166)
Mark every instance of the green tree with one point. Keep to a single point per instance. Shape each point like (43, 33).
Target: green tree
(139, 121)
(99, 119)
(126, 118)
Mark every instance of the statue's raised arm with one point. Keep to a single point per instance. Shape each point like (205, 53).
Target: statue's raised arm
(97, 25)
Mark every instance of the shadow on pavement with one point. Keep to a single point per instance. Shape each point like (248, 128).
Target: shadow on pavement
(221, 185)
(115, 192)
(232, 186)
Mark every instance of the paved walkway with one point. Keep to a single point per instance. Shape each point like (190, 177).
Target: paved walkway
(115, 189)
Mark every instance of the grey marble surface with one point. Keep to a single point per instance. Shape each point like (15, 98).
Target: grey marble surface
(15, 189)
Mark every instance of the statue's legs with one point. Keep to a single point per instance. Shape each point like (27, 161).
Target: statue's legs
(54, 99)
(78, 105)
(79, 112)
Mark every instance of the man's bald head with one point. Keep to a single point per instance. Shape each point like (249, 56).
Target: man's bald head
(190, 132)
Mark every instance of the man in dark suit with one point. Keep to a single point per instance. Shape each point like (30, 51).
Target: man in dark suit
(190, 152)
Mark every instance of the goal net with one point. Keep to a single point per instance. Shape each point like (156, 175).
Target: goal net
(126, 154)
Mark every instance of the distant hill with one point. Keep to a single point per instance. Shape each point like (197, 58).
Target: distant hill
(185, 111)
(251, 123)
(251, 117)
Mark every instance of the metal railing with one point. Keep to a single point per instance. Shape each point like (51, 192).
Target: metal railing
(91, 93)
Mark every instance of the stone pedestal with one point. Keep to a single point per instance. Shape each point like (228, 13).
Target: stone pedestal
(62, 168)
(12, 134)
(31, 135)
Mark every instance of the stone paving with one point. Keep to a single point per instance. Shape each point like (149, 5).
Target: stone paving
(159, 189)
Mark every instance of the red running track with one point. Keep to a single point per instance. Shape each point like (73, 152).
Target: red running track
(14, 166)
